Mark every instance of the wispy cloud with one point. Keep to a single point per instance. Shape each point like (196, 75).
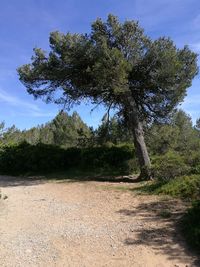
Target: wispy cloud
(195, 46)
(165, 10)
(196, 22)
(17, 102)
(39, 114)
(191, 106)
(24, 108)
(192, 100)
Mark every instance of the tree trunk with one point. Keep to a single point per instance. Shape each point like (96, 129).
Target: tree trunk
(140, 146)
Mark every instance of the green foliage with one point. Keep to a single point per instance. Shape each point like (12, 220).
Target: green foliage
(184, 187)
(68, 130)
(118, 66)
(2, 128)
(192, 159)
(24, 158)
(113, 131)
(168, 166)
(116, 62)
(165, 214)
(187, 188)
(115, 156)
(191, 225)
(64, 130)
(161, 138)
(177, 134)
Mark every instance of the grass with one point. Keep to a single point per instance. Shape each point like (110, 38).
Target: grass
(165, 214)
(181, 187)
(148, 188)
(191, 225)
(112, 187)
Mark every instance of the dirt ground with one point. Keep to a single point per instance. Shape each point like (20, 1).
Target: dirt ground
(82, 224)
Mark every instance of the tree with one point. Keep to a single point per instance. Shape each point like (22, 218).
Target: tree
(197, 126)
(2, 128)
(68, 130)
(177, 134)
(64, 130)
(116, 65)
(113, 131)
(11, 135)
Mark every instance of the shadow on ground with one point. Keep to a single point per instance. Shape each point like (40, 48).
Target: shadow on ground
(161, 230)
(8, 181)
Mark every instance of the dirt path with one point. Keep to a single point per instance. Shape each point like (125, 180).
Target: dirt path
(86, 224)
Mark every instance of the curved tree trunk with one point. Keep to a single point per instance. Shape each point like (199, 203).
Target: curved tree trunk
(140, 146)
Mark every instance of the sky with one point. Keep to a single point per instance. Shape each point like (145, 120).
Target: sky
(27, 24)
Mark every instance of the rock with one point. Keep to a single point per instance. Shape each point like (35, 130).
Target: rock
(3, 196)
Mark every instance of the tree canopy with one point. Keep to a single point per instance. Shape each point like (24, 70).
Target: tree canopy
(64, 130)
(115, 59)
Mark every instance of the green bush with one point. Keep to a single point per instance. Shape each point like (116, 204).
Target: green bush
(106, 157)
(169, 166)
(191, 225)
(24, 157)
(184, 187)
(27, 158)
(192, 159)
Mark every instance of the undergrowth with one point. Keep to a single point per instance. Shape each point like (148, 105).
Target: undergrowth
(191, 225)
(182, 187)
(186, 188)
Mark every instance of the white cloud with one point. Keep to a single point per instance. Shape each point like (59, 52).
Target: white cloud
(38, 114)
(17, 102)
(195, 46)
(153, 14)
(196, 22)
(24, 108)
(191, 100)
(191, 106)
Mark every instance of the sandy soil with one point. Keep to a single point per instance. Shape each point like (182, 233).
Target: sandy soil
(87, 224)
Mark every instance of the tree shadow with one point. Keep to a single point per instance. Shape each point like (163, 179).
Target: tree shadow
(161, 230)
(13, 181)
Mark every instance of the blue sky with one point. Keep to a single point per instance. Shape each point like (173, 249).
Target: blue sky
(27, 24)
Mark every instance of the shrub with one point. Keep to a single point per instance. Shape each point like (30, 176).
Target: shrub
(107, 157)
(24, 157)
(184, 187)
(169, 166)
(191, 225)
(192, 158)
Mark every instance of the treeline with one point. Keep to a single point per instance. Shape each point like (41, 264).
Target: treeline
(174, 145)
(64, 130)
(67, 142)
(67, 131)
